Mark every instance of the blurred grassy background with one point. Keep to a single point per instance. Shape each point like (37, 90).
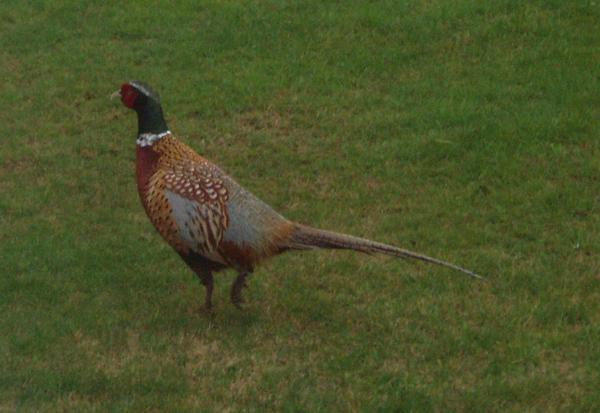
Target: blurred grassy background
(461, 129)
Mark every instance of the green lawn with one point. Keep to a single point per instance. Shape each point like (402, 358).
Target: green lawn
(465, 130)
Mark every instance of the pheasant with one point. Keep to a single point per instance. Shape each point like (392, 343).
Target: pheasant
(208, 218)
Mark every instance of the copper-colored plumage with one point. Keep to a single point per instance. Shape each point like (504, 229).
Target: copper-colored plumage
(181, 171)
(171, 175)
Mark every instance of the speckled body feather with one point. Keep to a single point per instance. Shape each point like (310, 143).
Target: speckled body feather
(199, 210)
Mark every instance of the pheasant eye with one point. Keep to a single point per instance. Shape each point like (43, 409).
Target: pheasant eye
(128, 95)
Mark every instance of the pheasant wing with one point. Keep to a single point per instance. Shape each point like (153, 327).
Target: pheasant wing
(198, 197)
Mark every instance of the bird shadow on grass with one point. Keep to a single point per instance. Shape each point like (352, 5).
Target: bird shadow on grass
(224, 316)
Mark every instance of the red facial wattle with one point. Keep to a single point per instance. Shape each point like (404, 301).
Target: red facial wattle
(128, 95)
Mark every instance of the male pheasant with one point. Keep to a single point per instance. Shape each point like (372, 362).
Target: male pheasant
(207, 217)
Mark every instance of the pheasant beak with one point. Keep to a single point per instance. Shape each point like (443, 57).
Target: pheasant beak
(116, 94)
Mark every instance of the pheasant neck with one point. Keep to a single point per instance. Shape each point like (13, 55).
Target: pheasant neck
(151, 119)
(145, 167)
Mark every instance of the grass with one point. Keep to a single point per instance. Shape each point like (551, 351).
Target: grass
(465, 130)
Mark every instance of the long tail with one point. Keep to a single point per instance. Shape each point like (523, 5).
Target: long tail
(305, 237)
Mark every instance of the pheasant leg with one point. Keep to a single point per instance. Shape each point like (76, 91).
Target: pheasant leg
(236, 289)
(207, 280)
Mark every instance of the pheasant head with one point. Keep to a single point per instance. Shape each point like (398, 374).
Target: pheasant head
(145, 101)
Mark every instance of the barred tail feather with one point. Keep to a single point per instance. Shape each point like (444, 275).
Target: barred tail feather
(305, 237)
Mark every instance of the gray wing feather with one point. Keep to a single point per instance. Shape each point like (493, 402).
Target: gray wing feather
(251, 221)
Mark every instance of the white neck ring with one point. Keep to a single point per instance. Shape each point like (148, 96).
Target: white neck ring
(147, 139)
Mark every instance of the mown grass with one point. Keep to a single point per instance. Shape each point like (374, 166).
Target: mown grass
(466, 130)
